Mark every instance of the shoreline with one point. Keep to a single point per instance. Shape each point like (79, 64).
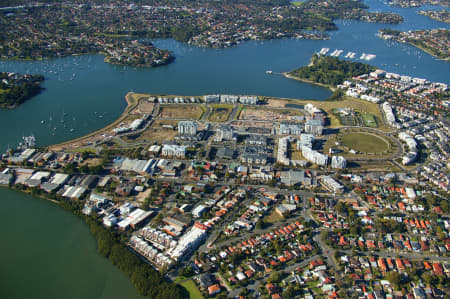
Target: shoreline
(289, 76)
(133, 102)
(426, 50)
(130, 106)
(93, 225)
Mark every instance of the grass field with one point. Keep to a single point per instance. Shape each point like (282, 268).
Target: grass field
(220, 113)
(364, 142)
(357, 105)
(294, 154)
(274, 217)
(194, 292)
(181, 111)
(369, 120)
(157, 133)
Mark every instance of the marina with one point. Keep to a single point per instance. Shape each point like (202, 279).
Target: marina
(349, 55)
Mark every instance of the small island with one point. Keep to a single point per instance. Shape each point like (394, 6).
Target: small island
(16, 88)
(433, 41)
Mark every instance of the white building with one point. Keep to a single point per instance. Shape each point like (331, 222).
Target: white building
(282, 151)
(187, 128)
(311, 109)
(338, 162)
(305, 140)
(225, 133)
(314, 126)
(173, 150)
(314, 156)
(331, 184)
(290, 129)
(411, 156)
(214, 98)
(248, 100)
(189, 242)
(198, 211)
(229, 99)
(388, 113)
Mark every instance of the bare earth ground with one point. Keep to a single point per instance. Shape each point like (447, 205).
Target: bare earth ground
(267, 115)
(181, 112)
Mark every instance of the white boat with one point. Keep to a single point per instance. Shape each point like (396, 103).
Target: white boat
(324, 51)
(363, 56)
(370, 56)
(269, 72)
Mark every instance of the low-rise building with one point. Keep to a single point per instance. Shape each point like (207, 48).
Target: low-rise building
(331, 184)
(173, 150)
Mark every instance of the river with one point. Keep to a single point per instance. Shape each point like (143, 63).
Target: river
(45, 251)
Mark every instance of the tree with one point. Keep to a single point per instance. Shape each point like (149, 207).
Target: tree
(289, 292)
(85, 155)
(187, 271)
(394, 278)
(260, 224)
(275, 277)
(70, 168)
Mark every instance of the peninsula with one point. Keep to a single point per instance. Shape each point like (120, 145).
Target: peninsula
(433, 41)
(16, 88)
(226, 195)
(438, 15)
(329, 71)
(417, 3)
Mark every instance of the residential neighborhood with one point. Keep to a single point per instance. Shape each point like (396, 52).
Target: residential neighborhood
(245, 198)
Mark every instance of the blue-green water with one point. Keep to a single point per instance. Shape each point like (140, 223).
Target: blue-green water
(46, 252)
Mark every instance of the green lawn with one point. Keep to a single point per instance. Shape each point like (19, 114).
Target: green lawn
(274, 217)
(369, 120)
(364, 142)
(194, 292)
(220, 113)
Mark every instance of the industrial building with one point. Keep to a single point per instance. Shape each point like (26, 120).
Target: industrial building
(139, 166)
(56, 181)
(134, 219)
(74, 192)
(294, 177)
